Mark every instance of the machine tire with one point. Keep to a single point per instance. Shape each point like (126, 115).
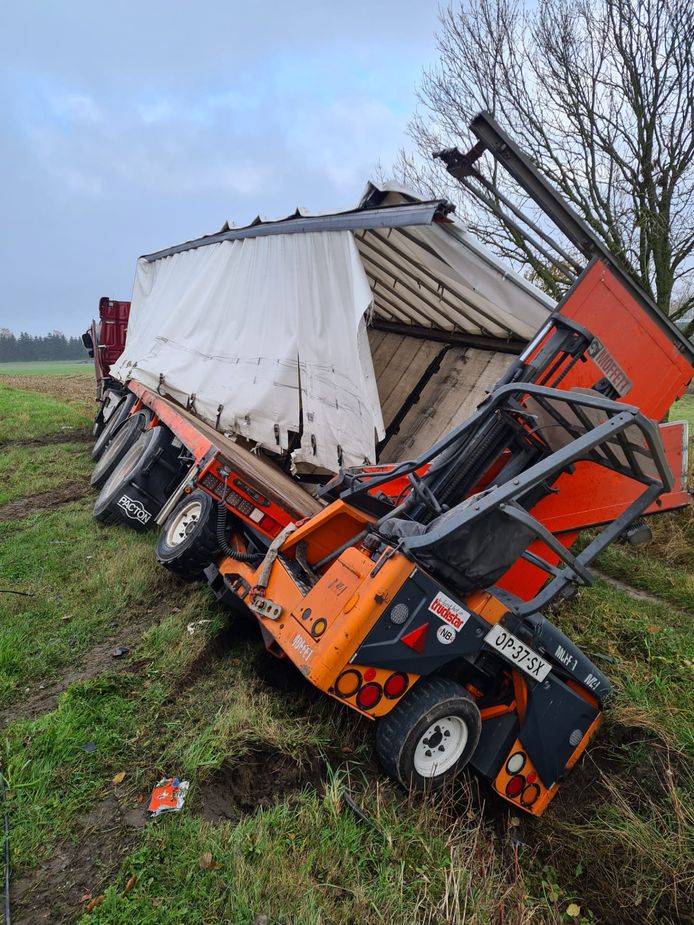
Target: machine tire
(188, 541)
(106, 507)
(120, 413)
(441, 710)
(121, 441)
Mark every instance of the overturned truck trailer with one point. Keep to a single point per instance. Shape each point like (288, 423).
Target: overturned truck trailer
(343, 339)
(383, 446)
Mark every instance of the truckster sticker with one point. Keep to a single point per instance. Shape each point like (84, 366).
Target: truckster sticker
(448, 611)
(609, 367)
(133, 509)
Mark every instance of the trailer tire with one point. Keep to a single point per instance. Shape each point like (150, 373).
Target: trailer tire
(99, 422)
(121, 441)
(430, 735)
(120, 413)
(106, 507)
(101, 418)
(188, 541)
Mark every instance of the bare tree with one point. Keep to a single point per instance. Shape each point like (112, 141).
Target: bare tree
(600, 94)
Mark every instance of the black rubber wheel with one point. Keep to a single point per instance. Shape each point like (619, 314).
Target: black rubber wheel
(106, 507)
(188, 541)
(99, 422)
(120, 413)
(105, 411)
(430, 735)
(120, 443)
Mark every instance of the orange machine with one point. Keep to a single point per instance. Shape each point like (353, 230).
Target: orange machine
(414, 593)
(415, 596)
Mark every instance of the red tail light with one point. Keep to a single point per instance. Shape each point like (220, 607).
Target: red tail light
(395, 685)
(515, 786)
(369, 695)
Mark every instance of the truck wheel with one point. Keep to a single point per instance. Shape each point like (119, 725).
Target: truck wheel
(188, 541)
(120, 413)
(99, 422)
(429, 737)
(105, 411)
(122, 440)
(107, 508)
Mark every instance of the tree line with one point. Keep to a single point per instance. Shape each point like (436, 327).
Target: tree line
(52, 346)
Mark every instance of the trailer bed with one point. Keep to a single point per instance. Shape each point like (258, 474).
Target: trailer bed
(203, 440)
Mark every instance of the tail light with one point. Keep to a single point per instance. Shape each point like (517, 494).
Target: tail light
(515, 763)
(348, 683)
(529, 795)
(396, 685)
(515, 786)
(369, 696)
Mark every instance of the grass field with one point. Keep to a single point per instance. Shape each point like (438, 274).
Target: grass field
(49, 368)
(266, 835)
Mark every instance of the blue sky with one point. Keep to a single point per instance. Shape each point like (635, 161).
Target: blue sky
(128, 127)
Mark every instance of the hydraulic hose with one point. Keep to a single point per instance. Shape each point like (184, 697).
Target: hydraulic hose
(222, 539)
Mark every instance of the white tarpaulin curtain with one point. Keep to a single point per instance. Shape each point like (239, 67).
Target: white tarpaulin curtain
(269, 328)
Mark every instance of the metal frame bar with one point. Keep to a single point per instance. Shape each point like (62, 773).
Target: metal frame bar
(454, 338)
(420, 213)
(438, 290)
(492, 206)
(491, 404)
(466, 513)
(418, 290)
(509, 156)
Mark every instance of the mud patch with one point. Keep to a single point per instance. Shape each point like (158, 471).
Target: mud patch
(52, 891)
(44, 501)
(215, 650)
(639, 595)
(98, 661)
(260, 778)
(78, 389)
(68, 435)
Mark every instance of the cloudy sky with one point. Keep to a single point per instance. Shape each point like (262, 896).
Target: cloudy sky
(129, 126)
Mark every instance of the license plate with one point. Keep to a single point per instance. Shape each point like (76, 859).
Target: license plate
(516, 652)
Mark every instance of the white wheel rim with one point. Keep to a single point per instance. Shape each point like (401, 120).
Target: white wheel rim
(440, 746)
(183, 522)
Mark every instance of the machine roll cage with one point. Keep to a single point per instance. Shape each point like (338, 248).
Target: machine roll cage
(607, 443)
(444, 495)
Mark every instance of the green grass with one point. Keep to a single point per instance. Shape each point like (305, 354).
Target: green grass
(616, 841)
(48, 368)
(312, 862)
(683, 410)
(650, 655)
(30, 470)
(81, 578)
(25, 415)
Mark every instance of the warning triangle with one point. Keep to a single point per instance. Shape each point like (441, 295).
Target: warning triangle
(417, 638)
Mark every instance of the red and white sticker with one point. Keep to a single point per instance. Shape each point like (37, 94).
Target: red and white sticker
(448, 611)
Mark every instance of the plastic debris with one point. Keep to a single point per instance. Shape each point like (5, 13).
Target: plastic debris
(120, 651)
(168, 796)
(191, 626)
(89, 747)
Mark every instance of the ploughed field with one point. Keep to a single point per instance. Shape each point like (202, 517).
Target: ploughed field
(267, 833)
